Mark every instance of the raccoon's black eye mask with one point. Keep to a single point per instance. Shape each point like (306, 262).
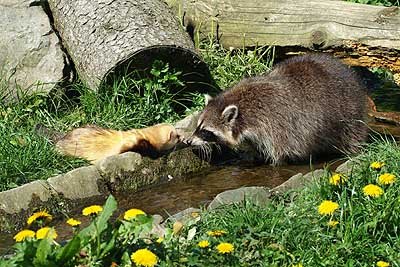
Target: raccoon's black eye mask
(207, 135)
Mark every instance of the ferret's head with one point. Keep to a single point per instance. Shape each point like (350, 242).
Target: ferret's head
(217, 123)
(163, 136)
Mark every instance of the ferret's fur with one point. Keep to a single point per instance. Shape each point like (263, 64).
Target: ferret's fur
(306, 105)
(94, 143)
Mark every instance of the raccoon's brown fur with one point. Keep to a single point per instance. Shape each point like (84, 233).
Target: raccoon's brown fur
(306, 105)
(94, 143)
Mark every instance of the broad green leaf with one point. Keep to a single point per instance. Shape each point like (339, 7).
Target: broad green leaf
(43, 250)
(70, 250)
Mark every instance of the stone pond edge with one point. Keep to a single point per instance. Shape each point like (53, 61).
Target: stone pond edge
(107, 177)
(128, 171)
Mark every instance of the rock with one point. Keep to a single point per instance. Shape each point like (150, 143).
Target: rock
(256, 194)
(185, 215)
(186, 126)
(157, 229)
(346, 167)
(315, 174)
(118, 166)
(298, 181)
(17, 199)
(77, 184)
(30, 53)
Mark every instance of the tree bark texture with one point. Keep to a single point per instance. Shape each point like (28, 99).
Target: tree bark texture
(307, 23)
(107, 36)
(366, 35)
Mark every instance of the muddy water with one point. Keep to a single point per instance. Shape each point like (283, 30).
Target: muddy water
(196, 190)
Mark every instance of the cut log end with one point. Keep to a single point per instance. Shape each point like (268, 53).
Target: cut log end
(195, 73)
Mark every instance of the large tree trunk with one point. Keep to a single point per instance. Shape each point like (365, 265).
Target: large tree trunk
(366, 35)
(106, 36)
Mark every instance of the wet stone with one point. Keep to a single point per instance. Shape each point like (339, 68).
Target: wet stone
(256, 194)
(77, 184)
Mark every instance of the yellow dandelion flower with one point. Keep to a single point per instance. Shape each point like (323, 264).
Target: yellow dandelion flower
(160, 240)
(92, 210)
(333, 223)
(377, 165)
(46, 231)
(298, 265)
(21, 235)
(327, 207)
(382, 264)
(132, 213)
(203, 243)
(39, 216)
(73, 222)
(387, 178)
(216, 233)
(372, 190)
(144, 257)
(337, 179)
(225, 248)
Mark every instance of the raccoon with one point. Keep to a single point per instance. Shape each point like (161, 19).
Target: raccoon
(94, 143)
(306, 105)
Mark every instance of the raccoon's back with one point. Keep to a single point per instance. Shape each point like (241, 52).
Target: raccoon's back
(307, 104)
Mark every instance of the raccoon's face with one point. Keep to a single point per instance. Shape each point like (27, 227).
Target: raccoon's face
(216, 125)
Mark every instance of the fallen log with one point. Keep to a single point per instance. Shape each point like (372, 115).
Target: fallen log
(365, 35)
(106, 37)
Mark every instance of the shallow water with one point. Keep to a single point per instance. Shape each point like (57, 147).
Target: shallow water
(196, 190)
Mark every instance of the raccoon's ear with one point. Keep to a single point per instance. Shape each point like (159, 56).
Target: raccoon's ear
(230, 113)
(207, 98)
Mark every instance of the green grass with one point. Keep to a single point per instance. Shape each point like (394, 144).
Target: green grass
(377, 2)
(287, 231)
(132, 101)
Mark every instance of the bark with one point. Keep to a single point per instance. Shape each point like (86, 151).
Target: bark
(104, 37)
(365, 35)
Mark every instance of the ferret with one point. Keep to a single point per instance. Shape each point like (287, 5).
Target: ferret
(93, 143)
(306, 105)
